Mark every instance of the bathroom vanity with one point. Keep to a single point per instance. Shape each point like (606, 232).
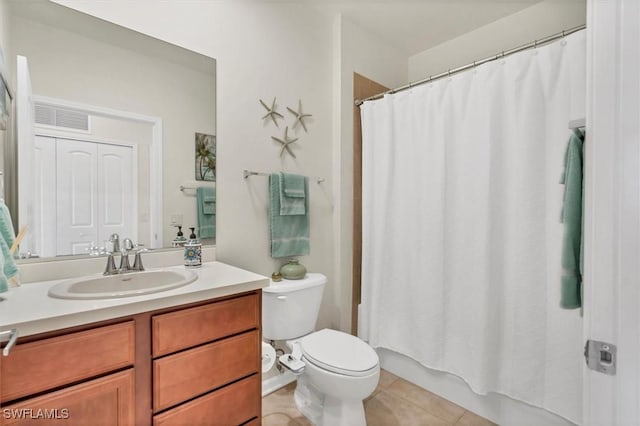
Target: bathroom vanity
(185, 356)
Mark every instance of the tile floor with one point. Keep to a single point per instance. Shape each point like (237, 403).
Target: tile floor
(395, 402)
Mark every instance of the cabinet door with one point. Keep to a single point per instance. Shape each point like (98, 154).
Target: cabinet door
(105, 401)
(191, 327)
(235, 404)
(58, 361)
(179, 377)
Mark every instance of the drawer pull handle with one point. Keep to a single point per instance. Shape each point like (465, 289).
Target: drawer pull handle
(281, 297)
(12, 337)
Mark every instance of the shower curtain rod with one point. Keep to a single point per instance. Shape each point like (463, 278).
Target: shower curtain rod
(474, 64)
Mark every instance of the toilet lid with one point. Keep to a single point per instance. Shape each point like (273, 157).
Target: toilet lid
(339, 352)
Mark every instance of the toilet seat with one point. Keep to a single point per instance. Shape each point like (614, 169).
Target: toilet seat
(339, 353)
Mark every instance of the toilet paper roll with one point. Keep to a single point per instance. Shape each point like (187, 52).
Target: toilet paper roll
(268, 357)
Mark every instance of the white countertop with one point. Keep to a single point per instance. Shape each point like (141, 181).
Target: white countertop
(29, 309)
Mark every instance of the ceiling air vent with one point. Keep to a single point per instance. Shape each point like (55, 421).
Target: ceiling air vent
(60, 117)
(45, 115)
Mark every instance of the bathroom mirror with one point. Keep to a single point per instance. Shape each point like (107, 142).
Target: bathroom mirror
(118, 117)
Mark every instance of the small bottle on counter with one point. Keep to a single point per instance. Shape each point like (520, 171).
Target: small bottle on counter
(193, 251)
(179, 240)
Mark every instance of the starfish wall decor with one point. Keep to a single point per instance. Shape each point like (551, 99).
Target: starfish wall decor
(285, 142)
(299, 116)
(271, 111)
(274, 115)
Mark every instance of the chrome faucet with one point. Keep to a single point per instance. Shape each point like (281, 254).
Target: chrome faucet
(110, 269)
(137, 262)
(125, 266)
(114, 239)
(127, 246)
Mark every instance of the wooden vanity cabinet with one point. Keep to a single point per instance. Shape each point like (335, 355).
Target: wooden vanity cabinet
(46, 364)
(206, 366)
(108, 401)
(71, 378)
(190, 364)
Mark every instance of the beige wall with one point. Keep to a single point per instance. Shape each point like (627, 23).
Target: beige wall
(68, 66)
(540, 20)
(290, 51)
(263, 50)
(356, 50)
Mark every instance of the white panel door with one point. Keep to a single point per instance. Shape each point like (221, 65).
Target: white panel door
(44, 196)
(116, 186)
(77, 188)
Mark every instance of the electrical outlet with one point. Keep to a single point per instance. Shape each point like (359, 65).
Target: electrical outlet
(176, 219)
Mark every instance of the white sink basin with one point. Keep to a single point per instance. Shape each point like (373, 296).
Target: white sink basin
(122, 285)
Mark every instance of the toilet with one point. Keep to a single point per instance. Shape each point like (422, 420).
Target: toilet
(337, 371)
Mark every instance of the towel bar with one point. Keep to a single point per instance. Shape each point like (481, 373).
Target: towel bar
(246, 173)
(185, 187)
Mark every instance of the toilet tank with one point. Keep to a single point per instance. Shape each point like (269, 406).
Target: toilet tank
(290, 307)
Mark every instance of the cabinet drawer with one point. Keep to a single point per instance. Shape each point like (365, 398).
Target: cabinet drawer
(190, 327)
(105, 401)
(196, 371)
(48, 363)
(231, 405)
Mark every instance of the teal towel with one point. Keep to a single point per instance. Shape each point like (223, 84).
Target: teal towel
(209, 204)
(7, 237)
(289, 233)
(9, 267)
(571, 280)
(6, 224)
(206, 205)
(4, 283)
(292, 194)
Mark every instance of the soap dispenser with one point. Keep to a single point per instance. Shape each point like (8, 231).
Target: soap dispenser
(193, 251)
(179, 240)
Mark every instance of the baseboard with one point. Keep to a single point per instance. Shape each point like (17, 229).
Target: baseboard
(274, 383)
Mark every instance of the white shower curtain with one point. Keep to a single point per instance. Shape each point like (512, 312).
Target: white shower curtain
(461, 225)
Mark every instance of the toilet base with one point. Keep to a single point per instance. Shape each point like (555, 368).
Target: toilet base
(341, 412)
(325, 410)
(309, 401)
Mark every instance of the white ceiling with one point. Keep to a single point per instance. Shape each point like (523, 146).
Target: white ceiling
(417, 25)
(65, 18)
(411, 25)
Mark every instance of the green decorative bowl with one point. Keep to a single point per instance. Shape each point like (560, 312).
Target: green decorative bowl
(292, 270)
